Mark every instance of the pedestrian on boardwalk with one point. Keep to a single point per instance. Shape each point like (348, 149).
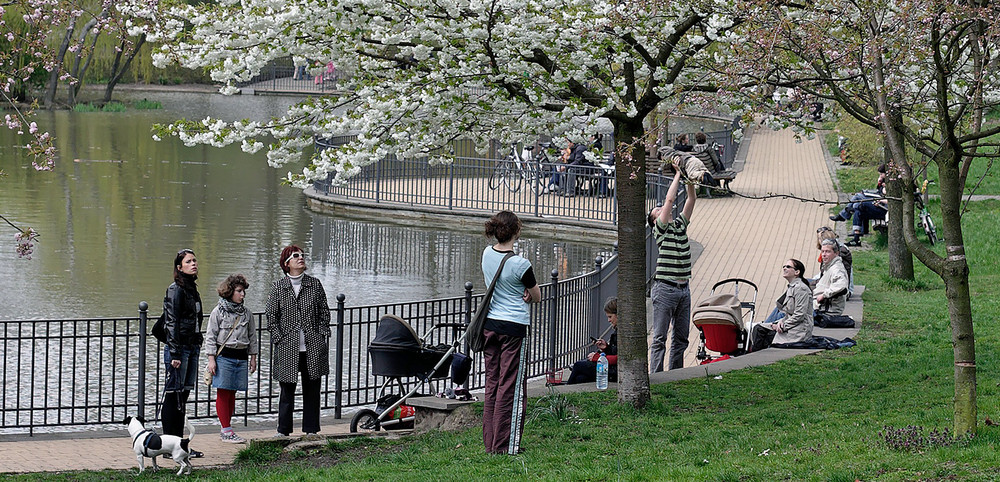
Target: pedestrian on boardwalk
(182, 312)
(792, 318)
(670, 293)
(298, 318)
(505, 329)
(231, 347)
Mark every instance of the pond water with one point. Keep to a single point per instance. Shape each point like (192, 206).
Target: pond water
(119, 206)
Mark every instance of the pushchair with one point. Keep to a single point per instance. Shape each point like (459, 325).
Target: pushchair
(724, 321)
(396, 353)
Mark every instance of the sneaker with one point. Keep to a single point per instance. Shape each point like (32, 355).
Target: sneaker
(279, 436)
(196, 454)
(232, 438)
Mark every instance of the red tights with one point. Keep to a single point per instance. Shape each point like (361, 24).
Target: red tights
(225, 405)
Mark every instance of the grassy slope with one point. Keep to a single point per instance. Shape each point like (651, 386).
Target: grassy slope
(810, 418)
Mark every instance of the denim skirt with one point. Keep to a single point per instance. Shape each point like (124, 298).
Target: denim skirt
(230, 374)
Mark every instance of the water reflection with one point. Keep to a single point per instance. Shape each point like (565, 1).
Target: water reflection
(119, 206)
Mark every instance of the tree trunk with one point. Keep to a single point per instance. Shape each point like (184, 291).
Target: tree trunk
(50, 91)
(116, 72)
(956, 281)
(900, 258)
(630, 186)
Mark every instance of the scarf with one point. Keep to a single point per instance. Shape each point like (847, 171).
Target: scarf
(231, 307)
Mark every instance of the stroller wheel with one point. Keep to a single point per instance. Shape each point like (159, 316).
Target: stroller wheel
(365, 420)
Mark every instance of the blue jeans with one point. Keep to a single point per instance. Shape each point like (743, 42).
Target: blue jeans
(864, 213)
(183, 377)
(671, 306)
(775, 315)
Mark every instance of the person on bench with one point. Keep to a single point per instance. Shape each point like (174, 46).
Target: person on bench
(585, 371)
(708, 156)
(830, 292)
(791, 321)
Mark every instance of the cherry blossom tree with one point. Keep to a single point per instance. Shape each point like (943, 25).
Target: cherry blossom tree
(426, 72)
(922, 72)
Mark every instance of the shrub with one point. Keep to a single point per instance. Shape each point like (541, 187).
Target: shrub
(144, 104)
(113, 107)
(85, 108)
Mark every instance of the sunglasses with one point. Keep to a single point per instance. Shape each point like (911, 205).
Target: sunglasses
(788, 266)
(823, 228)
(295, 255)
(185, 251)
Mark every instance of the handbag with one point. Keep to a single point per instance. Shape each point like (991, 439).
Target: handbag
(208, 374)
(477, 341)
(159, 331)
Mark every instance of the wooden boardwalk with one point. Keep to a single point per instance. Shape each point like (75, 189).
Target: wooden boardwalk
(750, 238)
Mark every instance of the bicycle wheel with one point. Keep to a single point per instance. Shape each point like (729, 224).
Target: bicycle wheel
(497, 176)
(365, 420)
(929, 228)
(510, 175)
(532, 175)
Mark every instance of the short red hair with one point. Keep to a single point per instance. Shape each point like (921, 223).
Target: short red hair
(285, 254)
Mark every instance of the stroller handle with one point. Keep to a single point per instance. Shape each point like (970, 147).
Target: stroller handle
(734, 280)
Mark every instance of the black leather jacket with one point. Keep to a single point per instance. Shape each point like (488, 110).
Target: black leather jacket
(182, 307)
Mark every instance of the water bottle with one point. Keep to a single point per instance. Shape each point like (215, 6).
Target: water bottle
(602, 372)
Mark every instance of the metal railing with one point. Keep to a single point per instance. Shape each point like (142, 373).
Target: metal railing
(281, 76)
(87, 372)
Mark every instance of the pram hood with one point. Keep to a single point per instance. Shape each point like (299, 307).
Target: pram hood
(720, 309)
(394, 332)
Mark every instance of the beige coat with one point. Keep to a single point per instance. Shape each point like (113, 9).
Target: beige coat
(797, 325)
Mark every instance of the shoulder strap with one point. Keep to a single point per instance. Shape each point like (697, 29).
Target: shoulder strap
(231, 330)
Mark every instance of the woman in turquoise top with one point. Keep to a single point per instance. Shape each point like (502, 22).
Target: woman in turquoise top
(505, 328)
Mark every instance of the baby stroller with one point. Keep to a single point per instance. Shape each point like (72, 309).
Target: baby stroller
(724, 321)
(398, 352)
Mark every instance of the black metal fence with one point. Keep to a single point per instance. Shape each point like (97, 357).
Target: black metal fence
(282, 76)
(63, 373)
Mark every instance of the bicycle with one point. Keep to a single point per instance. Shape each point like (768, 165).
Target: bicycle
(519, 166)
(925, 217)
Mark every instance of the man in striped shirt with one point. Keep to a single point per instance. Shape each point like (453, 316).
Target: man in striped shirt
(670, 292)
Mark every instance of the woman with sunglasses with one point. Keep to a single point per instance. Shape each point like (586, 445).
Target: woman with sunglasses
(298, 318)
(791, 321)
(182, 322)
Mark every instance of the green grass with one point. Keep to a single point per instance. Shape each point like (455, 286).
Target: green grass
(818, 417)
(144, 104)
(86, 108)
(113, 107)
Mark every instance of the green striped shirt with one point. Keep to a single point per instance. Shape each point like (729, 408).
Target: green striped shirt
(674, 260)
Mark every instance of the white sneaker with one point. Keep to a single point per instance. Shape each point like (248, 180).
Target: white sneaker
(232, 438)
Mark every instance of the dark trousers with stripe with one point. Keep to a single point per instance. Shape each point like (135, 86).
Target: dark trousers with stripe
(505, 407)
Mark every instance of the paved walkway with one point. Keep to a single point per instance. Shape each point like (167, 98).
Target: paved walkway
(739, 238)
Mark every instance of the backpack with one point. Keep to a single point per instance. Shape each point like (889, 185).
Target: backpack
(159, 331)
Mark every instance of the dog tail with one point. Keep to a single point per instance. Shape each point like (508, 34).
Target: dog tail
(190, 428)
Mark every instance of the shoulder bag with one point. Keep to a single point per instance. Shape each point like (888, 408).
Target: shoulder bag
(477, 341)
(208, 374)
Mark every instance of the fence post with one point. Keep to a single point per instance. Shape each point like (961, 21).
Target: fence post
(338, 385)
(468, 319)
(553, 307)
(141, 386)
(451, 186)
(596, 301)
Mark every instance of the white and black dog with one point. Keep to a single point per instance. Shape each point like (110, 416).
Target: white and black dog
(148, 443)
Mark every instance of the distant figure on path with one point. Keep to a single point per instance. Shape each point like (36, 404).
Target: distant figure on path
(298, 318)
(670, 293)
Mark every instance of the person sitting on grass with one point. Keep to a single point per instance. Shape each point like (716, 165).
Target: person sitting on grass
(792, 320)
(832, 283)
(585, 371)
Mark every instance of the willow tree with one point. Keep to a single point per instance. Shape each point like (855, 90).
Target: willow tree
(426, 72)
(922, 72)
